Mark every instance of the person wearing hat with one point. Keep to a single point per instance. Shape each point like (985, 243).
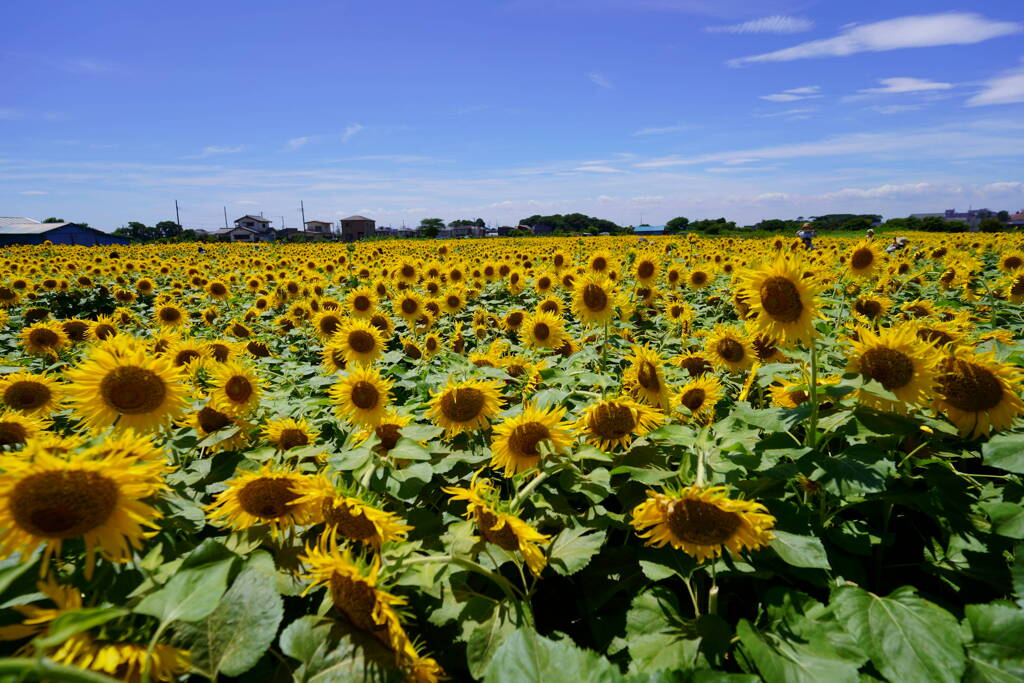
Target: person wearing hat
(806, 233)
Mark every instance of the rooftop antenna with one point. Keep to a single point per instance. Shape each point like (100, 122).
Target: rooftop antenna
(225, 218)
(177, 217)
(303, 208)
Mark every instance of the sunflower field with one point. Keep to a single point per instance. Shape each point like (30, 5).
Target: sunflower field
(543, 459)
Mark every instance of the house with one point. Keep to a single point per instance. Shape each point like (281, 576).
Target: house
(257, 223)
(388, 231)
(540, 228)
(645, 230)
(318, 228)
(21, 230)
(357, 227)
(1016, 218)
(973, 217)
(243, 234)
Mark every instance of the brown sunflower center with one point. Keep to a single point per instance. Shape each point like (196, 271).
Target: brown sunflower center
(409, 306)
(969, 387)
(645, 270)
(917, 311)
(453, 301)
(700, 523)
(698, 277)
(239, 389)
(63, 504)
(412, 351)
(932, 335)
(524, 439)
(595, 298)
(862, 258)
(267, 497)
(515, 319)
(1013, 262)
(541, 331)
(504, 537)
(599, 264)
(220, 352)
(463, 404)
(891, 368)
(218, 289)
(780, 299)
(361, 341)
(43, 337)
(1017, 288)
(75, 329)
(132, 390)
(210, 419)
(730, 350)
(12, 433)
(389, 433)
(357, 600)
(763, 346)
(185, 357)
(549, 306)
(169, 314)
(612, 421)
(329, 324)
(27, 395)
(361, 303)
(258, 349)
(365, 395)
(869, 308)
(292, 438)
(356, 526)
(695, 365)
(693, 399)
(647, 376)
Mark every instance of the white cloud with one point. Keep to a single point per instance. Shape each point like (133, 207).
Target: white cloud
(599, 169)
(1006, 88)
(351, 131)
(661, 130)
(925, 30)
(806, 92)
(213, 150)
(32, 193)
(8, 114)
(795, 113)
(86, 66)
(896, 108)
(295, 143)
(600, 79)
(901, 84)
(778, 23)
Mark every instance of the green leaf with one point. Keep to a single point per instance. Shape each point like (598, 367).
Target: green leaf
(783, 661)
(234, 637)
(572, 549)
(906, 637)
(846, 477)
(75, 621)
(16, 566)
(192, 593)
(407, 449)
(1005, 451)
(1017, 574)
(485, 639)
(420, 432)
(800, 551)
(658, 636)
(1007, 518)
(997, 650)
(330, 652)
(526, 657)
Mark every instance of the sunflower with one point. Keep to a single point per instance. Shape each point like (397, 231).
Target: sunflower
(362, 395)
(465, 406)
(699, 397)
(17, 429)
(504, 530)
(871, 308)
(209, 420)
(523, 372)
(361, 302)
(453, 300)
(288, 433)
(96, 495)
(236, 388)
(44, 338)
(918, 308)
(187, 354)
(783, 304)
(29, 393)
(899, 361)
(516, 441)
(646, 269)
(411, 348)
(601, 262)
(1011, 262)
(695, 364)
(38, 619)
(409, 306)
(594, 300)
(790, 395)
(352, 517)
(269, 496)
(728, 348)
(126, 661)
(542, 330)
(699, 278)
(977, 393)
(701, 521)
(327, 323)
(103, 328)
(170, 315)
(613, 423)
(358, 341)
(863, 258)
(119, 384)
(218, 290)
(644, 379)
(432, 345)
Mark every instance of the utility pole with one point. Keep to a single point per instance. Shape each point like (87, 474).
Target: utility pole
(177, 217)
(225, 218)
(282, 222)
(303, 208)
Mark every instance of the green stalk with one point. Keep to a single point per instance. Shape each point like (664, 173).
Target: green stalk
(42, 669)
(812, 430)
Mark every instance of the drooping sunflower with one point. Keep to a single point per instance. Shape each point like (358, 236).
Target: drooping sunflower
(727, 347)
(783, 304)
(17, 429)
(96, 495)
(269, 496)
(209, 420)
(863, 258)
(28, 393)
(701, 521)
(542, 330)
(504, 530)
(236, 388)
(359, 341)
(465, 406)
(38, 619)
(362, 395)
(699, 397)
(614, 423)
(44, 338)
(978, 393)
(288, 433)
(515, 446)
(644, 379)
(351, 517)
(120, 384)
(899, 361)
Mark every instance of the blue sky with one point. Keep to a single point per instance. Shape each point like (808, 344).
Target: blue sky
(626, 109)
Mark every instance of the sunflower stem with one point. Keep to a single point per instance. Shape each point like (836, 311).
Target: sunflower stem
(812, 392)
(529, 488)
(43, 669)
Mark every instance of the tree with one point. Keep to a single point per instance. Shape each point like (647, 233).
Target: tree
(991, 225)
(168, 229)
(677, 224)
(52, 219)
(430, 227)
(1003, 216)
(480, 223)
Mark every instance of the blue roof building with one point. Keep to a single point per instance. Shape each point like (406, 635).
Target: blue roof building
(27, 231)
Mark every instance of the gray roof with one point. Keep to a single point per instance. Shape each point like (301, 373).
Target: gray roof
(255, 218)
(357, 218)
(16, 220)
(29, 228)
(324, 222)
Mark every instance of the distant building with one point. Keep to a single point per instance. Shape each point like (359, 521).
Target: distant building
(255, 223)
(1016, 218)
(645, 230)
(356, 228)
(21, 230)
(243, 234)
(973, 217)
(539, 228)
(388, 231)
(318, 228)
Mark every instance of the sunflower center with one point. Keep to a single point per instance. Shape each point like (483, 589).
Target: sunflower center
(185, 357)
(354, 526)
(763, 347)
(1013, 262)
(238, 389)
(647, 376)
(267, 498)
(409, 306)
(389, 434)
(63, 504)
(541, 331)
(700, 523)
(600, 263)
(361, 303)
(210, 419)
(693, 399)
(891, 368)
(612, 421)
(730, 350)
(218, 289)
(552, 306)
(292, 438)
(932, 335)
(504, 537)
(1017, 288)
(12, 433)
(365, 395)
(453, 301)
(645, 270)
(799, 397)
(361, 341)
(869, 308)
(595, 298)
(220, 352)
(329, 324)
(524, 439)
(170, 315)
(780, 299)
(357, 600)
(413, 351)
(463, 404)
(515, 318)
(698, 277)
(27, 395)
(695, 365)
(133, 390)
(44, 337)
(862, 258)
(75, 329)
(969, 387)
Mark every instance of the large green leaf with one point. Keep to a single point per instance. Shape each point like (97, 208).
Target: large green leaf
(996, 651)
(526, 657)
(192, 593)
(1007, 518)
(1005, 451)
(781, 660)
(329, 652)
(906, 637)
(572, 549)
(800, 551)
(659, 637)
(485, 639)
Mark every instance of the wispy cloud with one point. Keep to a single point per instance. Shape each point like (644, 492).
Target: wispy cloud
(597, 168)
(778, 23)
(806, 92)
(600, 80)
(1006, 88)
(9, 114)
(32, 193)
(86, 66)
(351, 131)
(904, 85)
(795, 113)
(214, 150)
(296, 143)
(662, 130)
(896, 108)
(925, 30)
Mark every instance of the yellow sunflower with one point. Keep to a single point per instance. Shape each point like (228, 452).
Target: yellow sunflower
(783, 304)
(351, 517)
(977, 393)
(504, 530)
(542, 330)
(30, 393)
(465, 406)
(614, 423)
(362, 395)
(359, 341)
(594, 300)
(644, 379)
(699, 397)
(327, 323)
(38, 619)
(409, 306)
(516, 441)
(361, 302)
(863, 258)
(728, 348)
(269, 496)
(236, 388)
(121, 385)
(170, 315)
(96, 495)
(899, 361)
(288, 433)
(44, 338)
(701, 521)
(125, 661)
(17, 429)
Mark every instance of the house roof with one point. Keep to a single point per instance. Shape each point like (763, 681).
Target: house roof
(323, 222)
(357, 218)
(649, 228)
(34, 228)
(16, 220)
(255, 218)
